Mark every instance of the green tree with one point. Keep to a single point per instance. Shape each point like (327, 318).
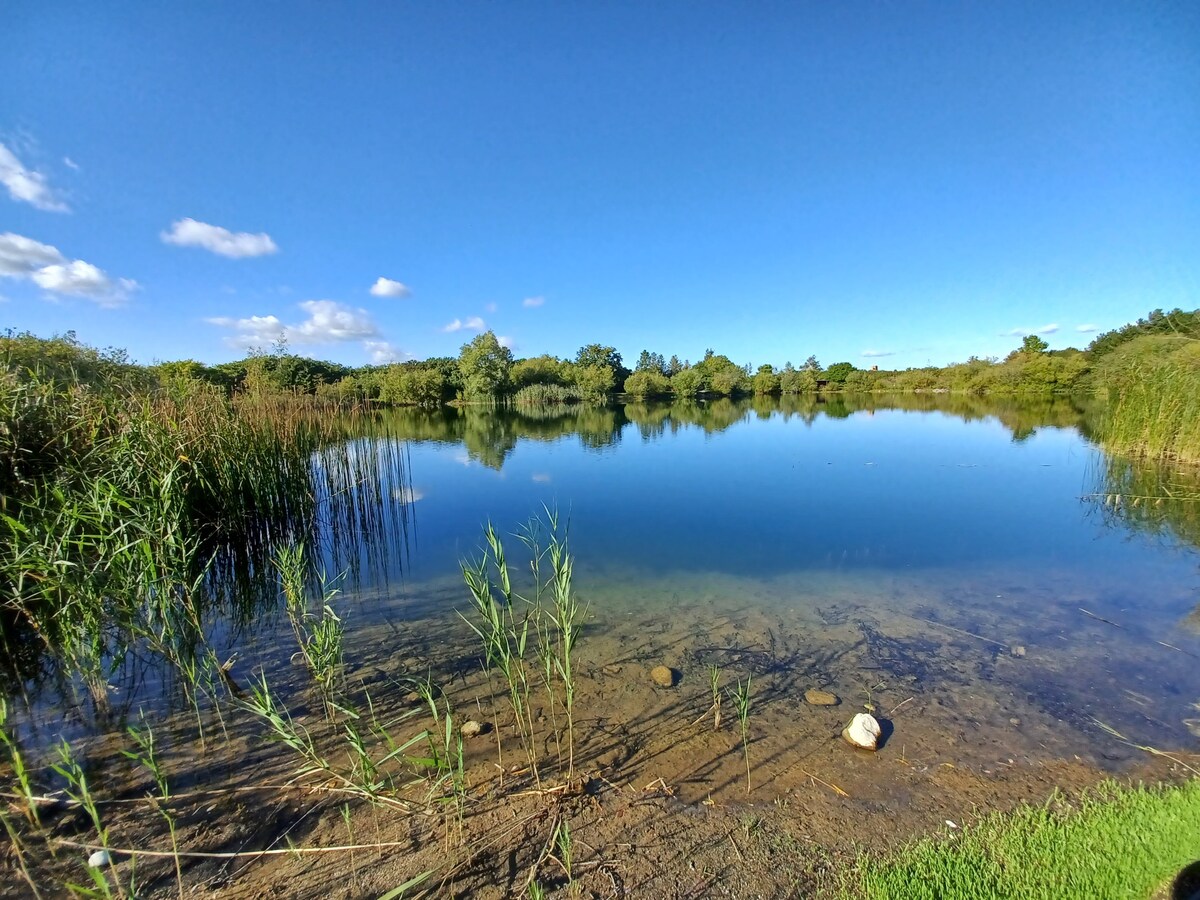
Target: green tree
(543, 369)
(811, 365)
(838, 372)
(687, 382)
(484, 364)
(594, 382)
(647, 383)
(673, 367)
(649, 362)
(1034, 344)
(766, 381)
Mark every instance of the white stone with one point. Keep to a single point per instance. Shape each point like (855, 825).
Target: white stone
(863, 731)
(99, 858)
(471, 728)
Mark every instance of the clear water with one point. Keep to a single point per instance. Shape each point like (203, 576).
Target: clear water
(964, 554)
(971, 546)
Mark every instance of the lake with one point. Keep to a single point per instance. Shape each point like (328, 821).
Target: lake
(967, 553)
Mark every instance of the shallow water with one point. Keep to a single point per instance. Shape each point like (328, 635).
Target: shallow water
(968, 553)
(959, 557)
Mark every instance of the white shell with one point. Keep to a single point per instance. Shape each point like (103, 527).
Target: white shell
(99, 858)
(863, 731)
(470, 728)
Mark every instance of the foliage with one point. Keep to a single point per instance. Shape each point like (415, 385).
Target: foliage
(543, 369)
(838, 372)
(1151, 389)
(687, 382)
(647, 383)
(594, 382)
(484, 364)
(1033, 344)
(766, 381)
(542, 394)
(650, 362)
(1176, 322)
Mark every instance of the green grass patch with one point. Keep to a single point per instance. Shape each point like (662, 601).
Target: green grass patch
(1115, 842)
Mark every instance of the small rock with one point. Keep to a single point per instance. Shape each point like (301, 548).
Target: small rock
(863, 732)
(611, 670)
(663, 676)
(1017, 650)
(99, 858)
(1193, 725)
(471, 728)
(817, 697)
(1014, 721)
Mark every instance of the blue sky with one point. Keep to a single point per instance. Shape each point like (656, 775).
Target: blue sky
(772, 180)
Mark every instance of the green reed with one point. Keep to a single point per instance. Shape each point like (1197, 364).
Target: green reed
(80, 792)
(146, 756)
(529, 638)
(319, 635)
(741, 704)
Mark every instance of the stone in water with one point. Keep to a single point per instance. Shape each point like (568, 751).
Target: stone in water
(817, 697)
(863, 731)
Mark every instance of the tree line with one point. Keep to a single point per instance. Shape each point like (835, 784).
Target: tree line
(485, 370)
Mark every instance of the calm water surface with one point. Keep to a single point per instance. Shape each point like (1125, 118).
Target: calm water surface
(965, 552)
(969, 539)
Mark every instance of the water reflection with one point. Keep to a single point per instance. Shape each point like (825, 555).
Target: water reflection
(489, 435)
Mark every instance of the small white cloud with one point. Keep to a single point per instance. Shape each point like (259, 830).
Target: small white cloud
(530, 302)
(45, 266)
(491, 307)
(382, 352)
(1015, 332)
(473, 322)
(1086, 328)
(408, 494)
(26, 185)
(70, 163)
(1047, 329)
(505, 341)
(386, 287)
(872, 354)
(328, 322)
(222, 241)
(541, 478)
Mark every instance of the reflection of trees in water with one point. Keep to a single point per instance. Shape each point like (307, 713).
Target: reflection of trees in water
(489, 434)
(1150, 497)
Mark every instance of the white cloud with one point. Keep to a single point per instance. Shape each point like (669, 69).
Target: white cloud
(222, 241)
(491, 307)
(26, 185)
(1022, 332)
(871, 354)
(408, 494)
(328, 322)
(506, 341)
(541, 478)
(530, 302)
(382, 352)
(1086, 328)
(22, 257)
(70, 163)
(385, 287)
(473, 322)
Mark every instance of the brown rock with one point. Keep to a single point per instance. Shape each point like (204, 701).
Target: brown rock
(816, 697)
(663, 676)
